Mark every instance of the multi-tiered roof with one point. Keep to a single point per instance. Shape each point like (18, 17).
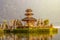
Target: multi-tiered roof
(29, 19)
(29, 16)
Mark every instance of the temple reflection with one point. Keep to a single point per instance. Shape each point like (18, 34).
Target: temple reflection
(25, 36)
(40, 37)
(13, 37)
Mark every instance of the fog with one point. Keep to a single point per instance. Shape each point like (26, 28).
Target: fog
(45, 9)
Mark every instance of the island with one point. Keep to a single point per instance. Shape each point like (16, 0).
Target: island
(29, 24)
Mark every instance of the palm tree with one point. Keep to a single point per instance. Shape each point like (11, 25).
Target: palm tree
(5, 25)
(18, 23)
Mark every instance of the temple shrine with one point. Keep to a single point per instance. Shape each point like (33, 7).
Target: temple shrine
(33, 22)
(30, 21)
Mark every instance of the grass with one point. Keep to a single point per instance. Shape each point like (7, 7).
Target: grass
(33, 30)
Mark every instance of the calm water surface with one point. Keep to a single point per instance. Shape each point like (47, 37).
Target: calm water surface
(30, 36)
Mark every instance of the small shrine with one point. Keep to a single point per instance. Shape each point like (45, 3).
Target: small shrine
(30, 21)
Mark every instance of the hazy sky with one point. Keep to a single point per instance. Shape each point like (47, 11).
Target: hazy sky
(45, 9)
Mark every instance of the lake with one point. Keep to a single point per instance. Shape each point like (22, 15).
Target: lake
(25, 36)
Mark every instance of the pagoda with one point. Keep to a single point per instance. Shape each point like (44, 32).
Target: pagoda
(30, 21)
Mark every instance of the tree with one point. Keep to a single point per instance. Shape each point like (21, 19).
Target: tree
(18, 23)
(46, 22)
(38, 22)
(5, 25)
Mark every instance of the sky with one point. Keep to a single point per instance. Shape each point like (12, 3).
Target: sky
(45, 9)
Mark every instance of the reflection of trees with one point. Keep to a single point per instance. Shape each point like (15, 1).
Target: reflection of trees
(26, 37)
(40, 37)
(22, 36)
(13, 37)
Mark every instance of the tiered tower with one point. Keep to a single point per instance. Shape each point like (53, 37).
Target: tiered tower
(30, 21)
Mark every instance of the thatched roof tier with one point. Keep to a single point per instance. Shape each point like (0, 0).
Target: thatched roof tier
(29, 19)
(28, 10)
(29, 14)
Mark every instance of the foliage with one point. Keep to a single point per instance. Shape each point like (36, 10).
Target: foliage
(46, 22)
(33, 30)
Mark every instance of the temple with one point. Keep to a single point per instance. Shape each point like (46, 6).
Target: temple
(33, 22)
(30, 21)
